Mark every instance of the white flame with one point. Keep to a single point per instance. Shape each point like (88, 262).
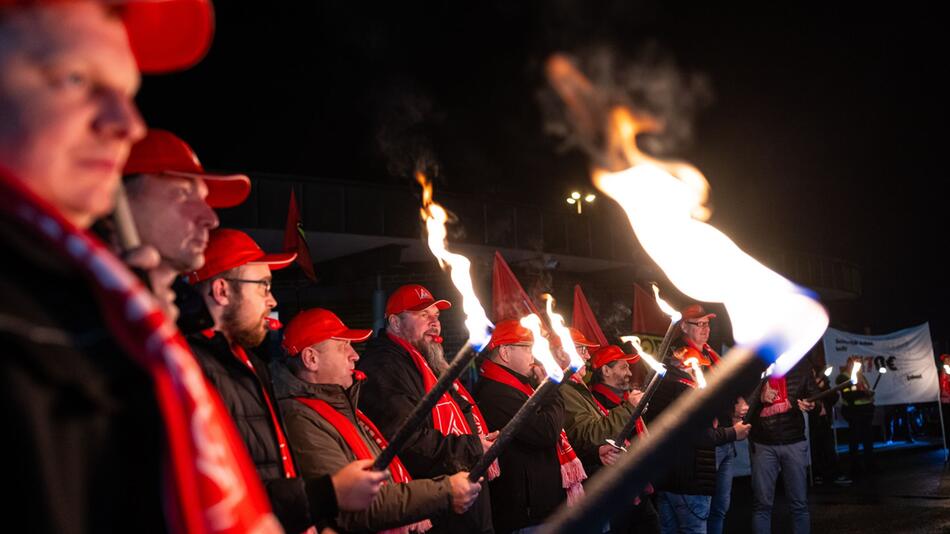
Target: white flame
(541, 349)
(855, 368)
(644, 355)
(435, 217)
(828, 370)
(882, 370)
(946, 368)
(697, 371)
(665, 306)
(663, 202)
(567, 343)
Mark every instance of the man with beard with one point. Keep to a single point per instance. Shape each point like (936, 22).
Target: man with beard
(610, 383)
(319, 392)
(111, 427)
(235, 282)
(401, 364)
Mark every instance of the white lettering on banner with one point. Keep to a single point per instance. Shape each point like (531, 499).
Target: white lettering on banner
(906, 354)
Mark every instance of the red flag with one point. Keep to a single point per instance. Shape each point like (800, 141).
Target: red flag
(508, 298)
(584, 319)
(648, 318)
(295, 240)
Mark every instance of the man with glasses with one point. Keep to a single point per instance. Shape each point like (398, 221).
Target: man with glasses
(235, 283)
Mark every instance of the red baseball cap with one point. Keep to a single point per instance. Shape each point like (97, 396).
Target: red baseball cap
(611, 353)
(695, 311)
(167, 35)
(580, 339)
(229, 248)
(413, 297)
(315, 325)
(509, 332)
(163, 153)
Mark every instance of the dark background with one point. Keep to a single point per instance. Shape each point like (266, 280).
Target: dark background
(822, 133)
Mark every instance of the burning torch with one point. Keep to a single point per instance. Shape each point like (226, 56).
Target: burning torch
(855, 368)
(659, 371)
(671, 330)
(477, 323)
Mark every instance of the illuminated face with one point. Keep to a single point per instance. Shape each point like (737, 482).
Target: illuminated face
(336, 360)
(418, 327)
(519, 358)
(245, 315)
(697, 330)
(617, 374)
(67, 84)
(585, 355)
(172, 216)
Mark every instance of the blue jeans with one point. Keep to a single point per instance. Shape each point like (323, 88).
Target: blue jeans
(767, 461)
(683, 514)
(725, 456)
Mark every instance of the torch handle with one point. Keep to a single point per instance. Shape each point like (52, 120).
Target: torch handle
(627, 431)
(876, 380)
(422, 410)
(755, 402)
(665, 344)
(827, 392)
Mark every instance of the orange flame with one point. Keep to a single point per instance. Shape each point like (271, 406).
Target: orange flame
(435, 217)
(665, 202)
(665, 306)
(557, 324)
(644, 355)
(693, 362)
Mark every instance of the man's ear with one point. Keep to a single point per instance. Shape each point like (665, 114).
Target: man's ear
(221, 292)
(309, 358)
(392, 322)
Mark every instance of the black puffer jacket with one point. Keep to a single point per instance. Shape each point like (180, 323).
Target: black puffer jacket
(391, 390)
(788, 427)
(298, 503)
(529, 487)
(84, 438)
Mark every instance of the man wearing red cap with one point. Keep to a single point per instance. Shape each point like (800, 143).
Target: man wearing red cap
(531, 488)
(401, 364)
(115, 428)
(610, 380)
(318, 390)
(235, 282)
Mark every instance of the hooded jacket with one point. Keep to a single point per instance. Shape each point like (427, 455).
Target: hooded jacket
(320, 450)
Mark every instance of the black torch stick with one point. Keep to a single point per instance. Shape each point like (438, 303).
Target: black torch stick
(528, 409)
(755, 401)
(665, 344)
(828, 391)
(880, 373)
(670, 433)
(631, 425)
(422, 410)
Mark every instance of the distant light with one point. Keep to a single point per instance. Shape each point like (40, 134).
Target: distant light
(590, 198)
(882, 370)
(571, 201)
(575, 195)
(946, 369)
(828, 371)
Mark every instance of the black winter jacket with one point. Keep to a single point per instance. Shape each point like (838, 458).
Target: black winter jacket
(788, 427)
(297, 502)
(391, 390)
(529, 487)
(84, 437)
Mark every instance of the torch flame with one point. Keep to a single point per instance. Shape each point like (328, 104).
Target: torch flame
(882, 370)
(435, 217)
(541, 349)
(697, 371)
(644, 355)
(665, 306)
(828, 370)
(855, 367)
(567, 343)
(946, 368)
(665, 202)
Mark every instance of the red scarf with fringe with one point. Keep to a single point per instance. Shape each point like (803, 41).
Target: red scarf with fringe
(572, 470)
(351, 436)
(447, 416)
(210, 484)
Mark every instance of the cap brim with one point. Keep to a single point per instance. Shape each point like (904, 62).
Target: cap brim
(440, 304)
(277, 260)
(168, 35)
(353, 334)
(224, 190)
(586, 343)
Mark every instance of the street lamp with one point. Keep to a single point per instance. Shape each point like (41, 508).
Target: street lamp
(576, 200)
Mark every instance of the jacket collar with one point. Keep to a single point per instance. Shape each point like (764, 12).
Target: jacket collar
(288, 386)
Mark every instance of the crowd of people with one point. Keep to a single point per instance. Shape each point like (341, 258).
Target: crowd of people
(135, 393)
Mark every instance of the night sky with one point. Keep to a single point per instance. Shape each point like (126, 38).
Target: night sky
(821, 131)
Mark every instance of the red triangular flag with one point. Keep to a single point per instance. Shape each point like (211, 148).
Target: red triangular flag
(508, 298)
(584, 319)
(295, 240)
(648, 318)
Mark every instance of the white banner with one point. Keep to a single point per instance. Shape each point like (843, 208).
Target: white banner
(907, 354)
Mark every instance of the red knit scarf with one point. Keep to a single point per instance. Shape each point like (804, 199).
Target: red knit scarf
(351, 436)
(780, 404)
(572, 470)
(447, 416)
(210, 484)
